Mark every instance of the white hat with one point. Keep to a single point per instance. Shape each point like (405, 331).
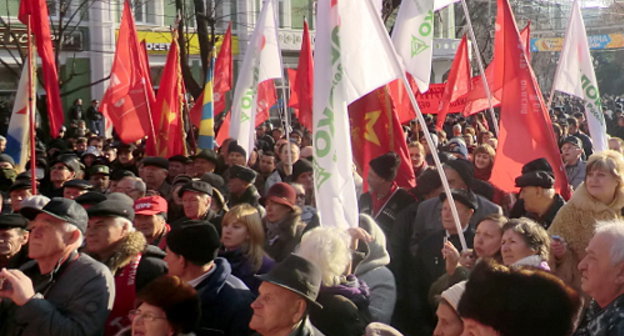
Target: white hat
(454, 293)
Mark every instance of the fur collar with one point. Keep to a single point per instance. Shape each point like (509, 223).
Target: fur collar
(582, 200)
(128, 247)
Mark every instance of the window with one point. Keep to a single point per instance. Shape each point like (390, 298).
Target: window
(146, 11)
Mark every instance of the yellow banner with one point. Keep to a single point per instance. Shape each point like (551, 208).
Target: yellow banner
(157, 43)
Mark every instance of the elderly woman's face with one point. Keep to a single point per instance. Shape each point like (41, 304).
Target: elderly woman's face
(150, 320)
(487, 239)
(514, 247)
(601, 184)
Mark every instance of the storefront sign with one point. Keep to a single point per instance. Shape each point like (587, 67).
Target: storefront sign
(157, 43)
(11, 38)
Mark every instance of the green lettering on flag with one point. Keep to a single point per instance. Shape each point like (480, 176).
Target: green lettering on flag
(417, 46)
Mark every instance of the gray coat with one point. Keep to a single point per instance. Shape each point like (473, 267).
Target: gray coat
(76, 302)
(428, 218)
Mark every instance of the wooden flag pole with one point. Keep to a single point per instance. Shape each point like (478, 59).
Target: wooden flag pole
(31, 112)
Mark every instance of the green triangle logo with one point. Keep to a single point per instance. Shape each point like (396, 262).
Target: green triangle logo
(417, 46)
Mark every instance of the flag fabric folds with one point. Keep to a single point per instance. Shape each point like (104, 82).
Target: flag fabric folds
(206, 125)
(575, 76)
(170, 135)
(40, 25)
(18, 137)
(128, 99)
(376, 130)
(262, 62)
(302, 87)
(350, 37)
(458, 83)
(412, 37)
(526, 133)
(223, 73)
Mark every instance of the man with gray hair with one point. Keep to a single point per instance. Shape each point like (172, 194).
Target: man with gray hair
(602, 278)
(62, 291)
(131, 186)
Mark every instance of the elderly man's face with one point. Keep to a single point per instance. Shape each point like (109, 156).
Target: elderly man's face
(464, 213)
(48, 239)
(102, 234)
(11, 241)
(600, 278)
(276, 309)
(195, 204)
(17, 196)
(60, 173)
(153, 176)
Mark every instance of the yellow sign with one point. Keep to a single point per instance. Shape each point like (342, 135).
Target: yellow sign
(157, 42)
(596, 42)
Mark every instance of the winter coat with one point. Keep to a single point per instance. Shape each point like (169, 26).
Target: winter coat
(387, 216)
(76, 302)
(251, 197)
(151, 265)
(244, 270)
(225, 303)
(283, 237)
(305, 328)
(607, 321)
(373, 271)
(576, 173)
(428, 216)
(575, 223)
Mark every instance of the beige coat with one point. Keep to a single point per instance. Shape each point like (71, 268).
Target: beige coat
(575, 223)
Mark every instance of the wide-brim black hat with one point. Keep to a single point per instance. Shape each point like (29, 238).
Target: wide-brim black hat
(298, 275)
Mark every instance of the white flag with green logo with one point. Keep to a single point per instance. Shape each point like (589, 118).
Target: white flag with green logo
(412, 36)
(575, 76)
(353, 56)
(262, 62)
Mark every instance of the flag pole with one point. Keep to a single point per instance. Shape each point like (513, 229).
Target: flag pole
(475, 47)
(423, 124)
(289, 164)
(31, 112)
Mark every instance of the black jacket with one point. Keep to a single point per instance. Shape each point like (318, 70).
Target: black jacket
(389, 213)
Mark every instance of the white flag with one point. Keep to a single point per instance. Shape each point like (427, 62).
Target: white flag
(18, 139)
(413, 39)
(262, 62)
(439, 4)
(575, 76)
(353, 56)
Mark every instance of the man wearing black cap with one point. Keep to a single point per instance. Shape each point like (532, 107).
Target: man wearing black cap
(111, 239)
(385, 199)
(572, 155)
(20, 190)
(286, 293)
(205, 162)
(236, 154)
(430, 256)
(13, 240)
(540, 200)
(63, 169)
(99, 177)
(177, 166)
(191, 255)
(61, 292)
(459, 174)
(154, 172)
(196, 200)
(75, 188)
(241, 188)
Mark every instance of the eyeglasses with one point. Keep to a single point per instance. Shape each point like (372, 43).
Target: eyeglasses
(149, 317)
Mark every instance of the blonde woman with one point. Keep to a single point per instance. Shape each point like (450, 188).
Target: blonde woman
(242, 237)
(600, 197)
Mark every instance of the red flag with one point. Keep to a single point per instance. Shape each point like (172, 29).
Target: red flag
(401, 100)
(40, 25)
(525, 126)
(265, 100)
(127, 100)
(302, 88)
(458, 83)
(525, 36)
(146, 66)
(224, 130)
(170, 137)
(223, 73)
(376, 130)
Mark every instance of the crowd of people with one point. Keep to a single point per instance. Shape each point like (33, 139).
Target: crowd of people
(225, 242)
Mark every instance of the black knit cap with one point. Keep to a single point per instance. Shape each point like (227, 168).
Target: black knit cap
(464, 168)
(235, 147)
(208, 155)
(386, 165)
(300, 167)
(156, 162)
(464, 197)
(197, 241)
(537, 164)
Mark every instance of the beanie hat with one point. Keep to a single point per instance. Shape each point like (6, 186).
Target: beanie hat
(300, 167)
(235, 147)
(386, 165)
(197, 241)
(464, 168)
